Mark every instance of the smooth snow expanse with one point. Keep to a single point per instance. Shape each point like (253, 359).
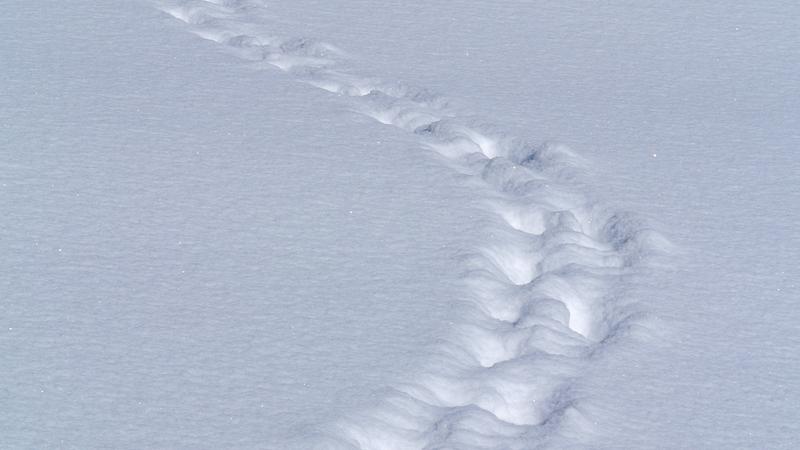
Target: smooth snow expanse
(205, 253)
(196, 255)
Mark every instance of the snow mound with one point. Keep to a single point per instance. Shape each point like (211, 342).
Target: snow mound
(542, 295)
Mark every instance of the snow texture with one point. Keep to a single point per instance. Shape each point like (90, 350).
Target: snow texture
(639, 293)
(543, 297)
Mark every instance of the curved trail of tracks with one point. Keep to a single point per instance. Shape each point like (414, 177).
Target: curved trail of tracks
(543, 295)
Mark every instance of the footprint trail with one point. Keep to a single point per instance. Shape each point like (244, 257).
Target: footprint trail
(543, 295)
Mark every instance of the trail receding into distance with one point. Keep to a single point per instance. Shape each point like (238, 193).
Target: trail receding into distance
(544, 295)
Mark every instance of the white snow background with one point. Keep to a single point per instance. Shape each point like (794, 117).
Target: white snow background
(348, 224)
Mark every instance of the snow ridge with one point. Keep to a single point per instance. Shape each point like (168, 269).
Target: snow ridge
(544, 295)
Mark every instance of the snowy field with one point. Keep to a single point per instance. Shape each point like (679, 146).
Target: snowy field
(343, 224)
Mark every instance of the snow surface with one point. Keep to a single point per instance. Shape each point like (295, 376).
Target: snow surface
(205, 253)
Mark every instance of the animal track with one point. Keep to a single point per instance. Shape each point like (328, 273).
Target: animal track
(538, 294)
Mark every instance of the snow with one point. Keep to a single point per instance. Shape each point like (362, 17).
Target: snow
(245, 224)
(189, 263)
